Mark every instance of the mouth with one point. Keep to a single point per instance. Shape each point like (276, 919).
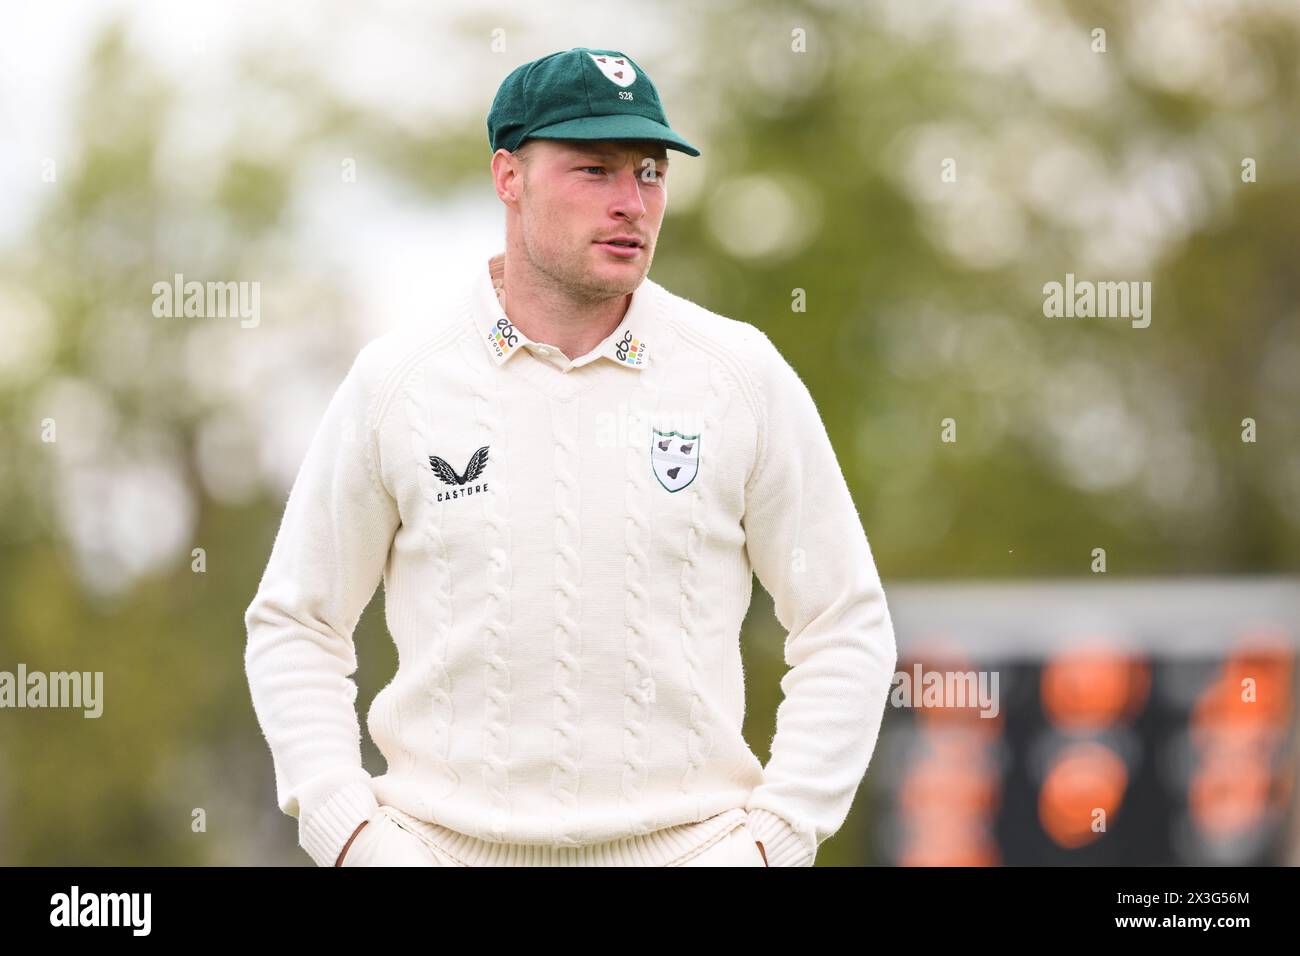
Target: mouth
(625, 247)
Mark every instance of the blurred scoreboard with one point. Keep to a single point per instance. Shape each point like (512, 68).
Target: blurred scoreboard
(1138, 722)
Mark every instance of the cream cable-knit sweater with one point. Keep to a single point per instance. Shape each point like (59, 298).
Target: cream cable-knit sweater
(566, 549)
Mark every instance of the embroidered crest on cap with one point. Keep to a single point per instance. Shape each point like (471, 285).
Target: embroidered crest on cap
(616, 68)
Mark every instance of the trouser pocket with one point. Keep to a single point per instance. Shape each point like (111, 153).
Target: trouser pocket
(736, 848)
(384, 841)
(437, 856)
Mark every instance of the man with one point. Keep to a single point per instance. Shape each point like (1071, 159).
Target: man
(566, 481)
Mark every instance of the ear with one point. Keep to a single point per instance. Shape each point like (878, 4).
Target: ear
(507, 175)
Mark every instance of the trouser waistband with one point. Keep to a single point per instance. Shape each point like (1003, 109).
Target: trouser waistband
(664, 847)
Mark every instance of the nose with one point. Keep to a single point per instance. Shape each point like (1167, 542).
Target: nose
(628, 200)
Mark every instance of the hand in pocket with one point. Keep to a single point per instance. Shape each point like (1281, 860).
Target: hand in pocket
(382, 842)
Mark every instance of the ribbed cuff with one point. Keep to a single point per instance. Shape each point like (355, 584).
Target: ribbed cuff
(782, 844)
(330, 825)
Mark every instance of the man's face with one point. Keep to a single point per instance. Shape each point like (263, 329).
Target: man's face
(575, 196)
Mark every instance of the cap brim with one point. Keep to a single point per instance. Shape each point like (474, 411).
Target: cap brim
(620, 126)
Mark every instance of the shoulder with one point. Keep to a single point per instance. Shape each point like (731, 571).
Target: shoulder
(747, 351)
(384, 354)
(702, 327)
(741, 346)
(384, 362)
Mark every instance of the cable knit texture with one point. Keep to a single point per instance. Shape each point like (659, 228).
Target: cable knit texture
(567, 548)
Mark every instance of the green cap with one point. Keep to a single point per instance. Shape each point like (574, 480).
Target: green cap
(579, 94)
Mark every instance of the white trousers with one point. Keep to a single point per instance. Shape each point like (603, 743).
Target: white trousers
(387, 841)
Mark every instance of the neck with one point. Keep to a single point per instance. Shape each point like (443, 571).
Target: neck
(551, 314)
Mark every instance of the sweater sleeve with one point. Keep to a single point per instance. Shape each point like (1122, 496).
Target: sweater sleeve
(807, 546)
(327, 560)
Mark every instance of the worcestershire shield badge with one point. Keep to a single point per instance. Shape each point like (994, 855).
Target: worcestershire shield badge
(616, 68)
(675, 458)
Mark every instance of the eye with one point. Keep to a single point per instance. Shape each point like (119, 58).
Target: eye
(597, 168)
